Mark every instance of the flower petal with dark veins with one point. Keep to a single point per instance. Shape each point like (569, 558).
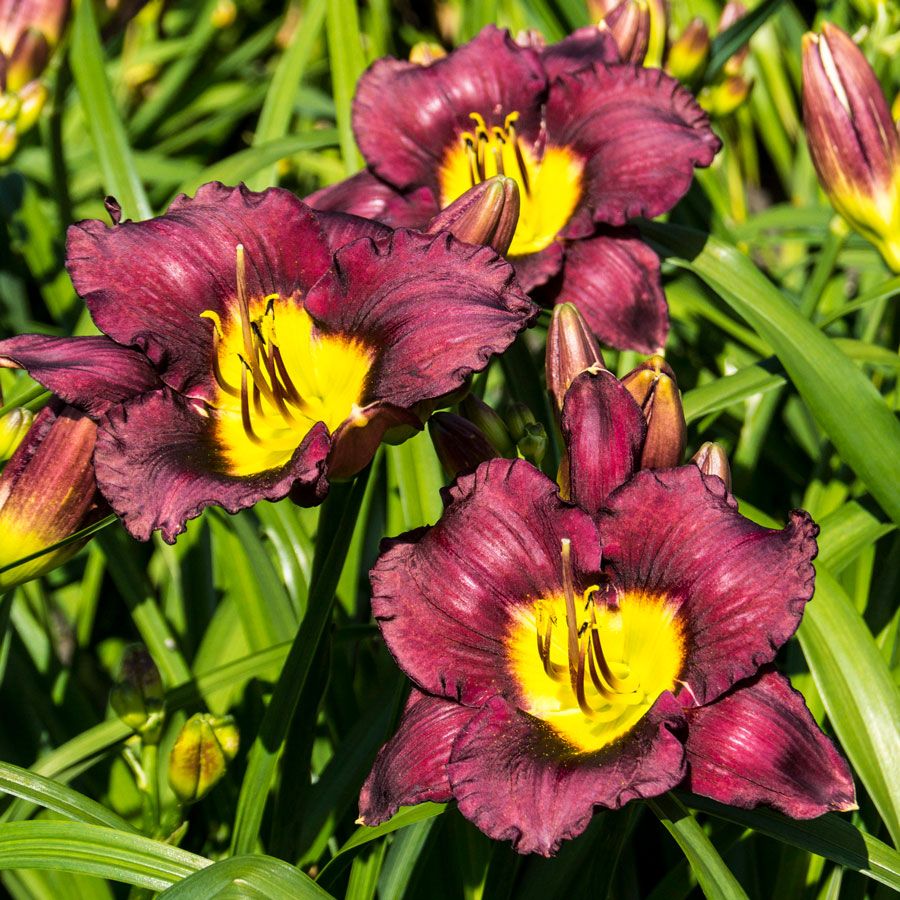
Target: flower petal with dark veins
(740, 588)
(158, 466)
(444, 597)
(759, 744)
(412, 766)
(580, 49)
(518, 782)
(90, 373)
(146, 283)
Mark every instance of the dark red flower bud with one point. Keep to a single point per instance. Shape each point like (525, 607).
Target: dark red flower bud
(571, 349)
(653, 386)
(485, 214)
(460, 446)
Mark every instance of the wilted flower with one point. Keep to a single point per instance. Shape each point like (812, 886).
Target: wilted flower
(29, 31)
(852, 138)
(591, 143)
(242, 364)
(201, 754)
(566, 658)
(47, 493)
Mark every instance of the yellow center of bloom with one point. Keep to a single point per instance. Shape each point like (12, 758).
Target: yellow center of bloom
(590, 670)
(549, 187)
(276, 376)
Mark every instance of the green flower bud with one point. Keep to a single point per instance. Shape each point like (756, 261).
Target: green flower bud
(13, 427)
(138, 697)
(688, 55)
(518, 418)
(201, 753)
(533, 443)
(488, 421)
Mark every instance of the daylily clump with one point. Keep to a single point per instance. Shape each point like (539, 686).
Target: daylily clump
(254, 348)
(591, 142)
(570, 655)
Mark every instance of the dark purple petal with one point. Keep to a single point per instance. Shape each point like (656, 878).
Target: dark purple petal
(517, 782)
(342, 228)
(366, 195)
(536, 269)
(355, 441)
(89, 372)
(412, 766)
(759, 744)
(158, 466)
(405, 116)
(639, 132)
(604, 430)
(580, 49)
(613, 279)
(444, 596)
(146, 283)
(435, 308)
(741, 588)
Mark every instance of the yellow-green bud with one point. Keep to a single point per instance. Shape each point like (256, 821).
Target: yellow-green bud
(426, 52)
(201, 754)
(518, 418)
(13, 427)
(533, 443)
(726, 95)
(32, 98)
(138, 697)
(688, 55)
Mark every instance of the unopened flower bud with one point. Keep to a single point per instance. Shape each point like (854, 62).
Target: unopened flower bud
(487, 420)
(460, 446)
(224, 14)
(137, 698)
(9, 107)
(13, 427)
(201, 753)
(629, 24)
(32, 99)
(533, 443)
(424, 53)
(8, 140)
(571, 349)
(852, 138)
(531, 38)
(712, 460)
(518, 418)
(653, 386)
(733, 12)
(485, 214)
(725, 96)
(28, 59)
(689, 54)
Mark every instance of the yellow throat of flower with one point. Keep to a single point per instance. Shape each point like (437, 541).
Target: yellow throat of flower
(590, 671)
(275, 378)
(549, 188)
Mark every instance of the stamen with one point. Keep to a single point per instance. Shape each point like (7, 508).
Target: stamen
(611, 678)
(571, 617)
(217, 369)
(245, 408)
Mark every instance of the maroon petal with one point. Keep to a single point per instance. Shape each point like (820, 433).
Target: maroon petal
(759, 745)
(412, 766)
(342, 228)
(413, 295)
(356, 440)
(741, 588)
(613, 279)
(580, 49)
(406, 115)
(515, 780)
(604, 430)
(366, 195)
(444, 596)
(88, 372)
(536, 269)
(157, 466)
(146, 283)
(639, 132)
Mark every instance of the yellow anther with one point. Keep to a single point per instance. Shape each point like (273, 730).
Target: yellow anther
(512, 117)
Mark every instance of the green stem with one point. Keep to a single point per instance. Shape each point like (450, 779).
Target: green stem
(336, 524)
(150, 765)
(824, 268)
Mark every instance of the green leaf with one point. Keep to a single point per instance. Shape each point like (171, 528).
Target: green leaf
(829, 836)
(263, 877)
(715, 878)
(860, 697)
(58, 797)
(845, 533)
(726, 44)
(95, 850)
(347, 64)
(842, 400)
(104, 124)
(760, 378)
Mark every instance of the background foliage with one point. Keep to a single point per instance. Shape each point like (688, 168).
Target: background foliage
(783, 338)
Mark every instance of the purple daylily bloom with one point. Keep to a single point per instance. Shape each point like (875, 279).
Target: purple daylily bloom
(255, 348)
(570, 656)
(591, 141)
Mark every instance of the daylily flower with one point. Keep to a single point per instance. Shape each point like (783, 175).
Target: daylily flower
(47, 493)
(243, 359)
(590, 141)
(567, 657)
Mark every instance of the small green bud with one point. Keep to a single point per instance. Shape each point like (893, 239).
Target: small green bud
(138, 697)
(488, 421)
(518, 418)
(201, 753)
(533, 443)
